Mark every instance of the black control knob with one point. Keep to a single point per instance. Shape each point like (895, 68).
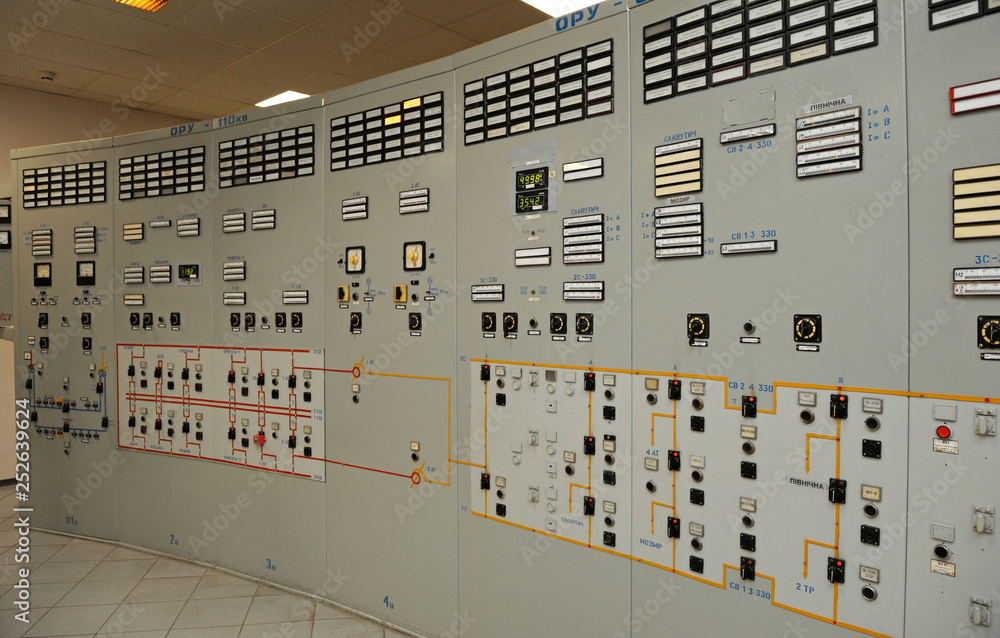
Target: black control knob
(557, 323)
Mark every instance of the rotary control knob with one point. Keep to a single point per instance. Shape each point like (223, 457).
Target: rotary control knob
(808, 328)
(989, 332)
(557, 323)
(297, 319)
(356, 320)
(584, 324)
(234, 320)
(134, 319)
(489, 322)
(147, 320)
(509, 322)
(416, 321)
(280, 320)
(697, 326)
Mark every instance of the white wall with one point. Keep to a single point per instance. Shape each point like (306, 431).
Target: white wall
(32, 118)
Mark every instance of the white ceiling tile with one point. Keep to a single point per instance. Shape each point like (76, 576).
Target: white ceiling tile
(299, 11)
(271, 70)
(128, 91)
(431, 46)
(204, 104)
(194, 50)
(497, 21)
(312, 48)
(139, 66)
(367, 22)
(11, 35)
(47, 45)
(371, 64)
(442, 11)
(190, 115)
(231, 87)
(101, 25)
(235, 24)
(67, 76)
(320, 84)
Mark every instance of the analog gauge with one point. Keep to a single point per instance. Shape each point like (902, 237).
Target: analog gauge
(43, 275)
(413, 255)
(85, 273)
(356, 259)
(4, 239)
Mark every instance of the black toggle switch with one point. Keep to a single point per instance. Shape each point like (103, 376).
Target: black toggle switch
(484, 481)
(131, 371)
(100, 388)
(275, 394)
(837, 492)
(748, 568)
(484, 372)
(750, 407)
(159, 424)
(231, 377)
(589, 505)
(835, 570)
(185, 374)
(673, 527)
(291, 381)
(838, 406)
(673, 460)
(186, 427)
(28, 384)
(589, 445)
(260, 378)
(105, 422)
(232, 434)
(158, 372)
(291, 442)
(131, 421)
(589, 381)
(674, 390)
(65, 426)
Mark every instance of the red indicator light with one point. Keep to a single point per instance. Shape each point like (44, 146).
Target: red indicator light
(943, 432)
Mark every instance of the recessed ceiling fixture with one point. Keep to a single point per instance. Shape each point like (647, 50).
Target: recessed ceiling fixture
(287, 96)
(556, 8)
(148, 5)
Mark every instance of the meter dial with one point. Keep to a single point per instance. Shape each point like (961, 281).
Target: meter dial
(413, 255)
(356, 259)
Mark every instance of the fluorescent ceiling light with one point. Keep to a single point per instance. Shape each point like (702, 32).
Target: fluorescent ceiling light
(556, 8)
(287, 96)
(148, 5)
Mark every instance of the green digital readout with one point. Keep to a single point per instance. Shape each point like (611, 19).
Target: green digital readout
(526, 203)
(187, 271)
(534, 179)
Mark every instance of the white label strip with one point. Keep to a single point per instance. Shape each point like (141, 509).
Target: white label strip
(828, 142)
(740, 248)
(728, 75)
(976, 103)
(977, 274)
(992, 288)
(824, 169)
(857, 21)
(667, 242)
(854, 41)
(807, 35)
(828, 131)
(827, 156)
(583, 220)
(944, 16)
(679, 146)
(689, 251)
(748, 133)
(677, 210)
(768, 64)
(852, 113)
(973, 90)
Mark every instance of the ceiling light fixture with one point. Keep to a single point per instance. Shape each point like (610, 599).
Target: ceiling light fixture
(287, 96)
(148, 5)
(556, 8)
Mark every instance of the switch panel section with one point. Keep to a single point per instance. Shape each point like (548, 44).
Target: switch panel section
(220, 393)
(564, 465)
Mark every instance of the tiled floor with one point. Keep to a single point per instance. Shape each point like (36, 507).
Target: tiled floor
(83, 588)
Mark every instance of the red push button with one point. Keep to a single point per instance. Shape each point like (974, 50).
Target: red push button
(944, 432)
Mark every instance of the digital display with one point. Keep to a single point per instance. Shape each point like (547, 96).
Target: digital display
(530, 202)
(536, 178)
(188, 271)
